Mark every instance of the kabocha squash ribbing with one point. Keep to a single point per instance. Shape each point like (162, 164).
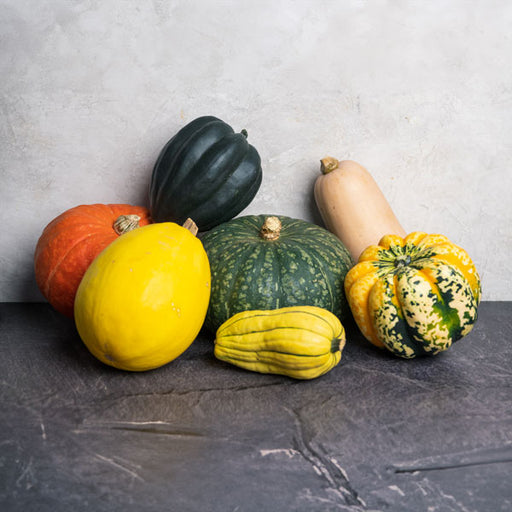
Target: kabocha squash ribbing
(268, 262)
(143, 300)
(302, 342)
(414, 295)
(71, 241)
(206, 172)
(352, 205)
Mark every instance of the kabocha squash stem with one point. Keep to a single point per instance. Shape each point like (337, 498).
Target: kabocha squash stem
(352, 205)
(271, 228)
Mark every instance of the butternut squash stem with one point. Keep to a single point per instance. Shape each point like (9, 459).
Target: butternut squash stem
(328, 164)
(125, 223)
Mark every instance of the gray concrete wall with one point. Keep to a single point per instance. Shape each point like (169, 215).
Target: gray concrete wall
(419, 92)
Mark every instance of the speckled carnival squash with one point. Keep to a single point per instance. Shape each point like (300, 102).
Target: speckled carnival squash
(71, 241)
(415, 295)
(206, 172)
(143, 300)
(302, 342)
(269, 262)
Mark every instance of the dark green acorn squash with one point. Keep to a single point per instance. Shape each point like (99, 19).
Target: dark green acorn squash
(206, 172)
(261, 262)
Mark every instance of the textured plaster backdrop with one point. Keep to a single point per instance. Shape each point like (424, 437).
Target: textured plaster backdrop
(420, 92)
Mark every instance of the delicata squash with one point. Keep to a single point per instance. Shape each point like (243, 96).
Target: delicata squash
(302, 342)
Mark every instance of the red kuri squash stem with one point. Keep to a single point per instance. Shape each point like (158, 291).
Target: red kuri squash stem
(125, 223)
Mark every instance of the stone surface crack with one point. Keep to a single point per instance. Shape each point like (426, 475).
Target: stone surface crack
(186, 392)
(160, 431)
(501, 455)
(160, 428)
(326, 467)
(121, 465)
(143, 427)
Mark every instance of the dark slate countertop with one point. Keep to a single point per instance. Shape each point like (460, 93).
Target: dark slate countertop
(377, 433)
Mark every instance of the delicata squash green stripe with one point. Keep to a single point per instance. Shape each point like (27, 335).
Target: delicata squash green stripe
(302, 342)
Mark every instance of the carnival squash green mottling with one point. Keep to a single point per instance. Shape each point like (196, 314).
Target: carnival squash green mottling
(206, 172)
(264, 262)
(415, 295)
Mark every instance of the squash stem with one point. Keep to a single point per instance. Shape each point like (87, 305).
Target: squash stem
(191, 226)
(403, 261)
(271, 228)
(125, 223)
(337, 345)
(328, 164)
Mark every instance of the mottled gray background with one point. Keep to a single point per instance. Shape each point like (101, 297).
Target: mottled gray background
(419, 92)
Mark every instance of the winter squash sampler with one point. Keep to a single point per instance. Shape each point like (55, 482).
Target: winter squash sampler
(274, 290)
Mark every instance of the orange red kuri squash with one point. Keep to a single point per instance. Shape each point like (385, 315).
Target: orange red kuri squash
(71, 241)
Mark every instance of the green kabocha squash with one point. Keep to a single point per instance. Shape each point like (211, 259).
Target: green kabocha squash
(206, 172)
(302, 342)
(269, 262)
(414, 295)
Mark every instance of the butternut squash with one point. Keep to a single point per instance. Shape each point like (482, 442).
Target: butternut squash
(352, 205)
